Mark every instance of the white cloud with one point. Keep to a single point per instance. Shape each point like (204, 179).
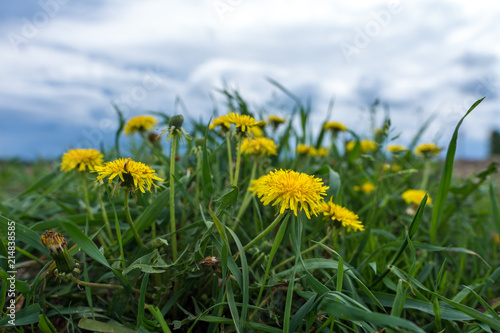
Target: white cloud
(144, 54)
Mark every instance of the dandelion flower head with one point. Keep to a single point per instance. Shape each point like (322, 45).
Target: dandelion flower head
(221, 122)
(81, 159)
(53, 241)
(291, 190)
(57, 246)
(134, 175)
(395, 148)
(303, 149)
(341, 216)
(393, 167)
(334, 126)
(242, 122)
(365, 145)
(415, 196)
(259, 146)
(257, 131)
(367, 187)
(276, 120)
(320, 151)
(427, 150)
(140, 124)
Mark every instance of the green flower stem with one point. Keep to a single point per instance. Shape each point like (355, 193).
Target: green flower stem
(86, 196)
(312, 248)
(105, 218)
(238, 162)
(246, 199)
(130, 222)
(101, 285)
(172, 198)
(264, 233)
(275, 247)
(198, 183)
(118, 235)
(229, 157)
(425, 177)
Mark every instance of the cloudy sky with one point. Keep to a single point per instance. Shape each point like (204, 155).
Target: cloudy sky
(64, 62)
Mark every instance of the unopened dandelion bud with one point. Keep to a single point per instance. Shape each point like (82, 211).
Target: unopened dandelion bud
(199, 142)
(56, 244)
(176, 121)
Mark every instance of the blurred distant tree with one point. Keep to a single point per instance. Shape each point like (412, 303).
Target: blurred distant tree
(495, 143)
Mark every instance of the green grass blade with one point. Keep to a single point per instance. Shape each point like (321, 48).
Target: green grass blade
(206, 173)
(121, 124)
(295, 238)
(26, 316)
(495, 210)
(98, 326)
(149, 216)
(348, 312)
(399, 300)
(85, 243)
(45, 325)
(44, 181)
(274, 249)
(245, 285)
(23, 234)
(303, 311)
(488, 320)
(232, 304)
(142, 300)
(413, 229)
(444, 183)
(340, 275)
(155, 311)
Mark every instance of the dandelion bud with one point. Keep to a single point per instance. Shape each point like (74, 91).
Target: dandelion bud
(199, 142)
(56, 244)
(176, 121)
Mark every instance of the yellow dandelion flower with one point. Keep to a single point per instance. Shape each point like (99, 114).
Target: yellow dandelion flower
(303, 149)
(396, 148)
(81, 159)
(496, 239)
(289, 188)
(276, 120)
(394, 167)
(321, 151)
(257, 131)
(140, 124)
(367, 187)
(365, 145)
(134, 175)
(334, 126)
(222, 122)
(427, 150)
(243, 122)
(341, 216)
(259, 146)
(415, 196)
